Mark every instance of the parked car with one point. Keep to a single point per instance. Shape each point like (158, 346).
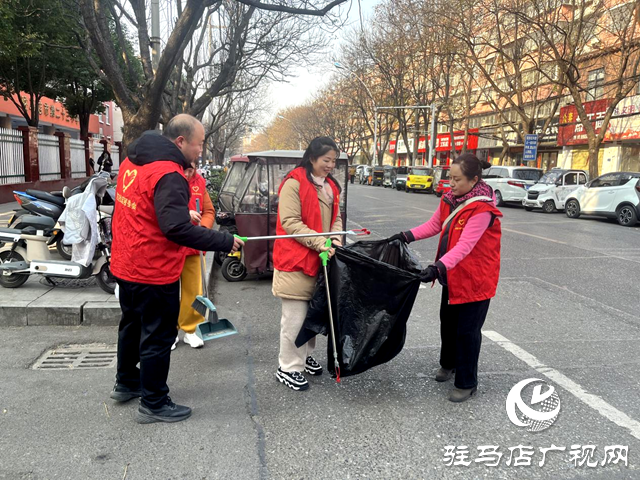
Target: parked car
(389, 176)
(419, 178)
(378, 176)
(510, 184)
(441, 180)
(613, 195)
(364, 175)
(553, 188)
(401, 178)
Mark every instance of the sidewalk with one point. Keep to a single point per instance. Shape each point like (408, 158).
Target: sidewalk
(81, 303)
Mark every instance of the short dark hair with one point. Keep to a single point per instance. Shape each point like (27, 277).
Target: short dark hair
(471, 165)
(318, 147)
(182, 125)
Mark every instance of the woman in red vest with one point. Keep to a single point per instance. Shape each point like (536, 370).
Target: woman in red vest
(191, 277)
(309, 202)
(467, 265)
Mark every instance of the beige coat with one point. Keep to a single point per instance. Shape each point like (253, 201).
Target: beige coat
(297, 285)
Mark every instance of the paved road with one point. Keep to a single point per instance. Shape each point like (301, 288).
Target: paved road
(567, 311)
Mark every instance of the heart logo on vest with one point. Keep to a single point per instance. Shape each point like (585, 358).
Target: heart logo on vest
(129, 177)
(462, 222)
(195, 188)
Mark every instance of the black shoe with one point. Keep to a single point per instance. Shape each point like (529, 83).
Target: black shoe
(169, 412)
(293, 380)
(312, 367)
(443, 374)
(459, 395)
(121, 393)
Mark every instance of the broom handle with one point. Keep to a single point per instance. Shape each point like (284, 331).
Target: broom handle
(202, 265)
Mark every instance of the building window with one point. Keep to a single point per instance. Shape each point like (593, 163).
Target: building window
(100, 118)
(595, 88)
(106, 115)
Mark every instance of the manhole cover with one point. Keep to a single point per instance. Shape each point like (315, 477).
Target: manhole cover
(78, 357)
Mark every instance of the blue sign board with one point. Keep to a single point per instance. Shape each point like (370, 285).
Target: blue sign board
(530, 148)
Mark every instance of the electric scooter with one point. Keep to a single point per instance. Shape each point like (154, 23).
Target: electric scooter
(38, 203)
(29, 255)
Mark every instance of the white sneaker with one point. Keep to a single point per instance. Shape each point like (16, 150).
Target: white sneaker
(175, 344)
(193, 340)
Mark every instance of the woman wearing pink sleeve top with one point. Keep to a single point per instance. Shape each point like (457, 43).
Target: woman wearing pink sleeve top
(467, 265)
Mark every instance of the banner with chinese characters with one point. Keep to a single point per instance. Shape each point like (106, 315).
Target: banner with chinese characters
(49, 111)
(571, 130)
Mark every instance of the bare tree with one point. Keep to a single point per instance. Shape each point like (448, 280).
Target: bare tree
(595, 37)
(139, 103)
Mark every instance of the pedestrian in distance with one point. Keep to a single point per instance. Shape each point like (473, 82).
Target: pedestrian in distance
(151, 226)
(309, 202)
(191, 278)
(468, 267)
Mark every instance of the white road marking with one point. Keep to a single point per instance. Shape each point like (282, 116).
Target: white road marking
(597, 403)
(556, 258)
(534, 236)
(423, 209)
(369, 196)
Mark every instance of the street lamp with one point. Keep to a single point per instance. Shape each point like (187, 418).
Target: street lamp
(432, 143)
(296, 129)
(339, 66)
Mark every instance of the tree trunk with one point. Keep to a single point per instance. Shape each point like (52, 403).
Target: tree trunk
(453, 140)
(594, 149)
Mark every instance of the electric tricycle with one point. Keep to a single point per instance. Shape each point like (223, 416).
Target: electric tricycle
(254, 202)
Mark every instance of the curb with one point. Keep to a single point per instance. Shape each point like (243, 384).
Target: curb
(90, 313)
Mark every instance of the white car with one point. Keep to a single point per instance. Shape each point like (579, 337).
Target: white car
(510, 184)
(613, 195)
(552, 190)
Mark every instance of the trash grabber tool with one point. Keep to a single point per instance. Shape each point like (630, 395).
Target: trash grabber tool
(358, 233)
(324, 256)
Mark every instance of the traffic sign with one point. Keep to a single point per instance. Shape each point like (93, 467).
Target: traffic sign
(530, 148)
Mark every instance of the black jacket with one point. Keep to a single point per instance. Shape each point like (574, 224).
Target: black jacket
(171, 196)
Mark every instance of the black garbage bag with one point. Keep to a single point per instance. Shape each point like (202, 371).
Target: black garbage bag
(373, 286)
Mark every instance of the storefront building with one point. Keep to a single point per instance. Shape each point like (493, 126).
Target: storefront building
(620, 149)
(54, 117)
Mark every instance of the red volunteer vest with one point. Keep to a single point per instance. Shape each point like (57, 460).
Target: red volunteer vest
(288, 254)
(197, 188)
(475, 278)
(140, 252)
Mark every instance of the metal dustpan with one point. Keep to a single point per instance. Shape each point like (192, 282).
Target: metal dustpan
(215, 327)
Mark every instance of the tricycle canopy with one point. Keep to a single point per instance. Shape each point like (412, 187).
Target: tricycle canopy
(255, 199)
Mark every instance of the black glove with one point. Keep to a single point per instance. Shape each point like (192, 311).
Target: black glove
(429, 274)
(404, 237)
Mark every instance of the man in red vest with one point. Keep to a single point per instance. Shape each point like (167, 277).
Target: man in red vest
(151, 228)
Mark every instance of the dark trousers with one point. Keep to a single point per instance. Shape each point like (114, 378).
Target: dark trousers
(147, 330)
(460, 331)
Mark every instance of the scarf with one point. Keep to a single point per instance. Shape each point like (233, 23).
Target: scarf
(480, 189)
(323, 184)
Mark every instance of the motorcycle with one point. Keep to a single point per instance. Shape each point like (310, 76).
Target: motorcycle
(39, 204)
(29, 255)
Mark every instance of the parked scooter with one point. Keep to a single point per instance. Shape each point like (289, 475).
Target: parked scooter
(49, 205)
(28, 255)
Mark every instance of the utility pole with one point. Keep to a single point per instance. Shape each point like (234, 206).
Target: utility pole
(432, 140)
(155, 34)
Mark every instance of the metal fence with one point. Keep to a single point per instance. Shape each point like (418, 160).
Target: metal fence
(78, 162)
(11, 157)
(49, 157)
